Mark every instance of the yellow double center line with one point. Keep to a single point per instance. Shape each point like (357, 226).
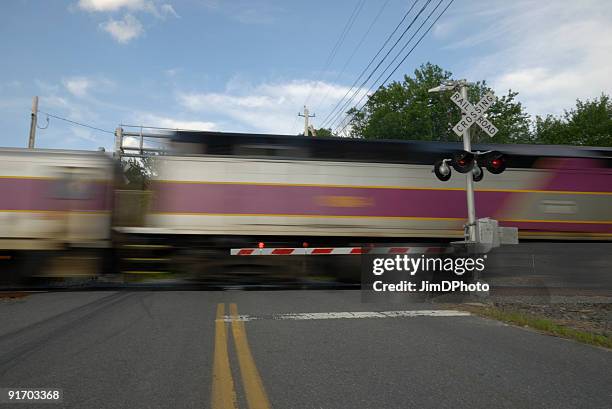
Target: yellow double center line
(223, 392)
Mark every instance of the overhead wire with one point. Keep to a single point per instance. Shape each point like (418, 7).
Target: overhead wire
(76, 123)
(333, 118)
(357, 47)
(338, 45)
(405, 57)
(338, 118)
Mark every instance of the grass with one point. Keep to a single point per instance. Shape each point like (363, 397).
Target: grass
(542, 324)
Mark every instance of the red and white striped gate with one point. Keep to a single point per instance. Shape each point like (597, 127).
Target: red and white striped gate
(320, 251)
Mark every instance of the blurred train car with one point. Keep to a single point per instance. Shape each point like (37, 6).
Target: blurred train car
(221, 190)
(55, 212)
(215, 191)
(263, 185)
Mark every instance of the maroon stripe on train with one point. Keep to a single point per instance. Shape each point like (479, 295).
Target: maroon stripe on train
(577, 175)
(318, 200)
(370, 202)
(44, 195)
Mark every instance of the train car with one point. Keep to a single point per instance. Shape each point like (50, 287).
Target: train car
(55, 212)
(217, 192)
(291, 188)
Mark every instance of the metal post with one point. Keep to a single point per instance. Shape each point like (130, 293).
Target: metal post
(305, 121)
(141, 141)
(306, 115)
(469, 182)
(118, 142)
(32, 139)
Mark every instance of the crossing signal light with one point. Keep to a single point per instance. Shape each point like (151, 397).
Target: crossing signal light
(494, 161)
(442, 170)
(463, 161)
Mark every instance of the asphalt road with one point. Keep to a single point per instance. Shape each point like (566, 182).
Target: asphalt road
(165, 349)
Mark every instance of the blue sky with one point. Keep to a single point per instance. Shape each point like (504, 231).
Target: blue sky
(250, 65)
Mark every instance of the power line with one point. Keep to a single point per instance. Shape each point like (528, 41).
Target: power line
(382, 8)
(404, 59)
(76, 123)
(338, 115)
(334, 51)
(372, 60)
(349, 119)
(338, 118)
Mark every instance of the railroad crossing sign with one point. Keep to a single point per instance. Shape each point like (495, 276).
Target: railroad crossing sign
(474, 113)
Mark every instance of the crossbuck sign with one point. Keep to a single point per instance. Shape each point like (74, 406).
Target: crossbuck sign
(474, 114)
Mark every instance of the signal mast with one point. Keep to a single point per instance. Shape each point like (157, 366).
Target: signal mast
(481, 235)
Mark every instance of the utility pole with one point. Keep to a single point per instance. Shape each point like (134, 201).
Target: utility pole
(34, 118)
(306, 115)
(118, 142)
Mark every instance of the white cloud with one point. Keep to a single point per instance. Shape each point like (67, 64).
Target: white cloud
(81, 86)
(111, 5)
(550, 52)
(158, 10)
(149, 119)
(129, 27)
(77, 86)
(268, 107)
(123, 31)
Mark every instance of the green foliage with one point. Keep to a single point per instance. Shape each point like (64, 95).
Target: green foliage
(138, 172)
(588, 124)
(324, 132)
(544, 324)
(406, 110)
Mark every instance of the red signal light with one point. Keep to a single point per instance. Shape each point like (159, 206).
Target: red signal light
(495, 162)
(463, 161)
(261, 245)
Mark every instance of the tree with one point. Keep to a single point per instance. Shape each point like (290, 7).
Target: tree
(138, 172)
(588, 124)
(324, 132)
(406, 110)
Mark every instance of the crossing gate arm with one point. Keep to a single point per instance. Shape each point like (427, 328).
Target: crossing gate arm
(320, 251)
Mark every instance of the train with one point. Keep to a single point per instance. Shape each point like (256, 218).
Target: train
(214, 191)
